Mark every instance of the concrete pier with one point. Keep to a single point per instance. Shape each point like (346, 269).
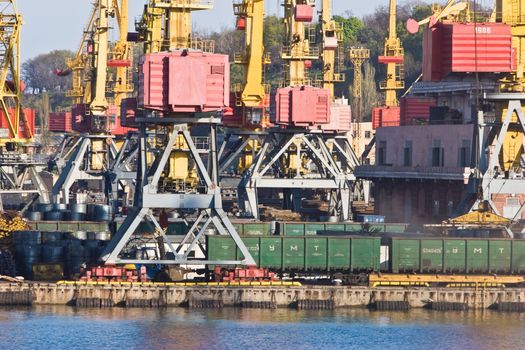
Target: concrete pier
(323, 297)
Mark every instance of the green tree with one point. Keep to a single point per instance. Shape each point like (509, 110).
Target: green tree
(39, 73)
(351, 26)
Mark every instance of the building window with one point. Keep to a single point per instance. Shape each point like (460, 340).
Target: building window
(381, 153)
(407, 154)
(368, 134)
(464, 154)
(438, 154)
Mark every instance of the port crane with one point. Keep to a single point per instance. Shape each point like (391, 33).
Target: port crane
(393, 59)
(250, 100)
(87, 157)
(296, 158)
(172, 173)
(19, 168)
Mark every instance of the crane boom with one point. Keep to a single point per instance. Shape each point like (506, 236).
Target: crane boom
(99, 105)
(393, 58)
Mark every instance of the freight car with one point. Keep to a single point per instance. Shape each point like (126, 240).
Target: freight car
(353, 258)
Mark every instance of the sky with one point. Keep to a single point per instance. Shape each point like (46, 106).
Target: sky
(58, 24)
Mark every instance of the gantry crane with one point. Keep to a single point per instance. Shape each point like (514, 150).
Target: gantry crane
(168, 153)
(358, 56)
(501, 171)
(251, 98)
(331, 44)
(393, 58)
(18, 171)
(89, 156)
(296, 158)
(298, 51)
(80, 90)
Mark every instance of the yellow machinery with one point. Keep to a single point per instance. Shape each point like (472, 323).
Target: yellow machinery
(166, 25)
(332, 39)
(358, 56)
(393, 58)
(121, 54)
(80, 90)
(10, 88)
(511, 12)
(299, 51)
(253, 93)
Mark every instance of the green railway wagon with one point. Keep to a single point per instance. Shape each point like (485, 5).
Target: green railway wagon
(500, 258)
(293, 253)
(257, 229)
(354, 227)
(431, 253)
(477, 256)
(338, 254)
(454, 255)
(335, 227)
(518, 256)
(292, 229)
(253, 246)
(221, 248)
(316, 253)
(311, 229)
(365, 253)
(271, 252)
(404, 255)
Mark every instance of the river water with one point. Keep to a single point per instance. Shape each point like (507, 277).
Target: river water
(62, 327)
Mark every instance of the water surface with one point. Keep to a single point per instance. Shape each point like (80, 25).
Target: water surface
(62, 327)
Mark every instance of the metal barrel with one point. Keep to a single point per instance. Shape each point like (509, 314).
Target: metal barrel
(79, 235)
(103, 236)
(74, 248)
(25, 257)
(78, 208)
(59, 206)
(33, 216)
(75, 256)
(92, 250)
(101, 212)
(27, 237)
(52, 254)
(54, 216)
(73, 216)
(51, 237)
(44, 207)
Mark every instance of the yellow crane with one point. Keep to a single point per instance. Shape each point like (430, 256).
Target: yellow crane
(80, 90)
(358, 56)
(393, 58)
(121, 55)
(299, 50)
(331, 41)
(253, 60)
(164, 26)
(10, 85)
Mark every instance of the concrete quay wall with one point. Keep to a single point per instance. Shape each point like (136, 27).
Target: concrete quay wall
(262, 296)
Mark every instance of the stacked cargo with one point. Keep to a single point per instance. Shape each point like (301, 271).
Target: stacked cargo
(51, 255)
(60, 122)
(415, 110)
(385, 116)
(467, 48)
